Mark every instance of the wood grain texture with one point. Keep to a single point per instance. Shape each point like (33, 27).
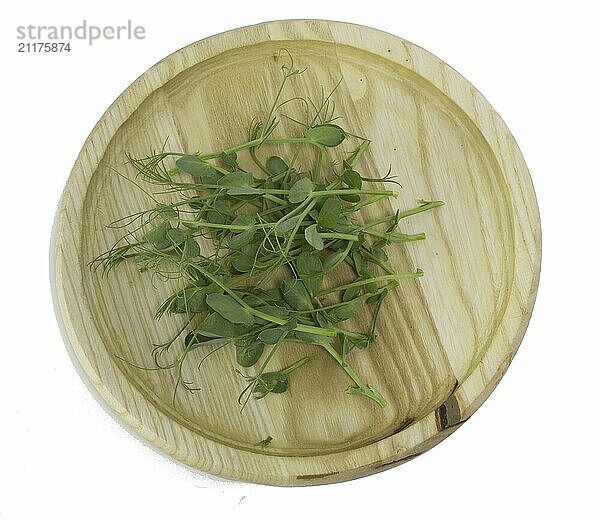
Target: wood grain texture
(445, 340)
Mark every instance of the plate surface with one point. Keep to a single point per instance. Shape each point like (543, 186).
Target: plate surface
(444, 341)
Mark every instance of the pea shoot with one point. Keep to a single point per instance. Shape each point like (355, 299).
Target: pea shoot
(278, 231)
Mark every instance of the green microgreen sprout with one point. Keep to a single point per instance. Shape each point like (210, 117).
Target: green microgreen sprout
(294, 223)
(265, 443)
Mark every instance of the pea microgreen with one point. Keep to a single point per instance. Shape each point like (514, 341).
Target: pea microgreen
(278, 234)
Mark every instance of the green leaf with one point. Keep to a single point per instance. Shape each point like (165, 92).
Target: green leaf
(273, 295)
(351, 177)
(334, 259)
(176, 236)
(380, 254)
(323, 320)
(273, 310)
(198, 168)
(230, 159)
(309, 263)
(242, 239)
(372, 286)
(236, 180)
(158, 235)
(276, 382)
(191, 300)
(243, 220)
(276, 165)
(215, 217)
(343, 225)
(254, 301)
(351, 294)
(300, 190)
(326, 135)
(359, 264)
(191, 249)
(330, 213)
(229, 308)
(243, 263)
(274, 335)
(310, 269)
(221, 204)
(314, 339)
(344, 312)
(251, 249)
(215, 326)
(265, 442)
(248, 355)
(313, 238)
(285, 226)
(296, 295)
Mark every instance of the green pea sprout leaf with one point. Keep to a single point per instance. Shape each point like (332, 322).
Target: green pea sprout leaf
(301, 190)
(326, 135)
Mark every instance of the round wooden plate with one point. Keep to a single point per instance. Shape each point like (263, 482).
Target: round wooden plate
(444, 341)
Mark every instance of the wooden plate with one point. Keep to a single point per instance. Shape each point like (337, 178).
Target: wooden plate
(445, 340)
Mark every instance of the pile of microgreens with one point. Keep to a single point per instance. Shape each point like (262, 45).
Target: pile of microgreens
(282, 218)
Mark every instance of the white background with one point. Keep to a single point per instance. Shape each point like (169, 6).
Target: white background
(530, 450)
